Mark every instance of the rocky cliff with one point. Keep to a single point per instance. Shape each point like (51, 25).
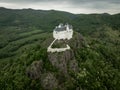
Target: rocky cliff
(64, 63)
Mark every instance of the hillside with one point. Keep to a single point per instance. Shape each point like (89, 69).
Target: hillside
(46, 20)
(92, 63)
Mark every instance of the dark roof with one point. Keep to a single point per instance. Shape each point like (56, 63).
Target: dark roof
(60, 29)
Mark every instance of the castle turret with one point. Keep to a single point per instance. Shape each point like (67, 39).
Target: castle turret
(67, 27)
(60, 25)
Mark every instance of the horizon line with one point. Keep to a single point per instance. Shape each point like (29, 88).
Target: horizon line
(57, 10)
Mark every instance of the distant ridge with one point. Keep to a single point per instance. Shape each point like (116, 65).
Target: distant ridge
(47, 19)
(54, 11)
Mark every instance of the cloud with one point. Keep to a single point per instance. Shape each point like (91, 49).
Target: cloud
(73, 1)
(74, 6)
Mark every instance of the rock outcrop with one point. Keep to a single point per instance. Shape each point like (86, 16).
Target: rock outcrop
(49, 81)
(34, 71)
(65, 63)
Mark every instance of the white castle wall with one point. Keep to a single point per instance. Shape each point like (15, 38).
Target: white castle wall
(63, 34)
(58, 49)
(50, 49)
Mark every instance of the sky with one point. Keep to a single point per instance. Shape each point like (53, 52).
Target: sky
(73, 6)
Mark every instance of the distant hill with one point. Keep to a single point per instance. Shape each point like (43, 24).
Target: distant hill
(46, 20)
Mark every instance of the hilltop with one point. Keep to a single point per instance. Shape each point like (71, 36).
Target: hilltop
(92, 63)
(60, 66)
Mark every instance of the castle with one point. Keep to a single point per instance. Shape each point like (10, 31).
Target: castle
(63, 32)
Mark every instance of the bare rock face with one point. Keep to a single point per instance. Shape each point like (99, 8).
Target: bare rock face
(61, 59)
(66, 63)
(49, 82)
(35, 69)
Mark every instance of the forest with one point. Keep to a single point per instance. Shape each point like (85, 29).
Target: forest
(25, 35)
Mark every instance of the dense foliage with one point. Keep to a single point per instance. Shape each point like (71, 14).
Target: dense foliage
(25, 35)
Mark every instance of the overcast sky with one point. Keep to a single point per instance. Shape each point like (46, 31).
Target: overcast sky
(74, 6)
